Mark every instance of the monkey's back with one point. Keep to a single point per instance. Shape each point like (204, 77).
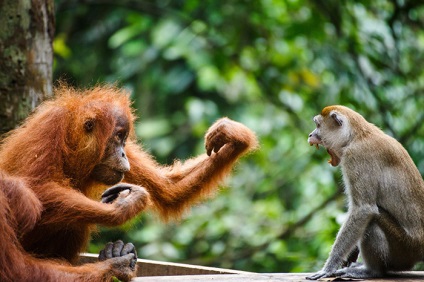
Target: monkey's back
(379, 167)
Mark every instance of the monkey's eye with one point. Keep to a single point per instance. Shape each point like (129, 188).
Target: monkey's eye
(89, 125)
(316, 122)
(121, 135)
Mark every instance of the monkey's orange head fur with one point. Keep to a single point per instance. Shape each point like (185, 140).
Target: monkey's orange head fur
(327, 110)
(357, 122)
(337, 108)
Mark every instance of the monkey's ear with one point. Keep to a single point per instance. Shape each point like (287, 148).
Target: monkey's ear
(337, 119)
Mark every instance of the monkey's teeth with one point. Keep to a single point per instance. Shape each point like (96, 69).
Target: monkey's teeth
(316, 145)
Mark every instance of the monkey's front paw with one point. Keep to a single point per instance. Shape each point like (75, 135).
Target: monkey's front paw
(217, 136)
(121, 259)
(226, 131)
(117, 250)
(138, 198)
(320, 274)
(126, 200)
(113, 192)
(125, 190)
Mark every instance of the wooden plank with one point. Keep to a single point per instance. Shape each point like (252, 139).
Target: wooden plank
(225, 278)
(277, 277)
(157, 271)
(159, 268)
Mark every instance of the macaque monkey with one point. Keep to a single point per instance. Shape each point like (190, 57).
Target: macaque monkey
(385, 194)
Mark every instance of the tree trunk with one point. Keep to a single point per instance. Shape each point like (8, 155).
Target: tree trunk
(26, 58)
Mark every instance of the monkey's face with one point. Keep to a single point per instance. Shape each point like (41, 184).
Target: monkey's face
(332, 132)
(114, 163)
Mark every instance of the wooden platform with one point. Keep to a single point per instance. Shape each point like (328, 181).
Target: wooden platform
(157, 271)
(159, 268)
(270, 277)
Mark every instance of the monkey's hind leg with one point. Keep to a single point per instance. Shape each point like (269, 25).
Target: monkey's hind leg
(374, 249)
(358, 271)
(352, 258)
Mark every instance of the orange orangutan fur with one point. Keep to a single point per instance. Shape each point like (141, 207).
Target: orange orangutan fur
(49, 202)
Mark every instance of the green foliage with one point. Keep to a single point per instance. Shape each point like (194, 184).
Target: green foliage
(272, 65)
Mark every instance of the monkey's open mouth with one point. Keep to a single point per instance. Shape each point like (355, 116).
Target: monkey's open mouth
(335, 160)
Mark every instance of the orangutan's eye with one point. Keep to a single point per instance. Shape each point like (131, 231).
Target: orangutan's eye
(89, 125)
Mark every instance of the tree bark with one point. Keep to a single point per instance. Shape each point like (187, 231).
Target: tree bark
(26, 58)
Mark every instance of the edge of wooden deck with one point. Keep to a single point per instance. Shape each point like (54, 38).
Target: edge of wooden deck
(159, 271)
(160, 268)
